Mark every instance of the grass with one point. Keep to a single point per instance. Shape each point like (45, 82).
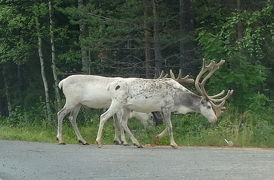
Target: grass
(244, 129)
(48, 133)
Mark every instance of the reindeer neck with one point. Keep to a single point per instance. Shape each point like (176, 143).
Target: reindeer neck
(188, 100)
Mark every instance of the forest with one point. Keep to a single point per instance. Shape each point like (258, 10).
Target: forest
(45, 41)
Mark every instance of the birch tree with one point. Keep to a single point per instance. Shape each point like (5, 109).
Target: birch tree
(43, 74)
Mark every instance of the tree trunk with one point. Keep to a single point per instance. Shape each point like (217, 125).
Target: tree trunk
(84, 51)
(147, 28)
(182, 32)
(53, 66)
(239, 25)
(43, 74)
(7, 94)
(156, 39)
(187, 46)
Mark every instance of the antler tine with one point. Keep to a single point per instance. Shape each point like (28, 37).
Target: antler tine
(218, 109)
(187, 79)
(212, 67)
(197, 80)
(217, 95)
(229, 93)
(162, 75)
(179, 79)
(180, 74)
(172, 74)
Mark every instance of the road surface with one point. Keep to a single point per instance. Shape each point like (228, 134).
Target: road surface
(34, 161)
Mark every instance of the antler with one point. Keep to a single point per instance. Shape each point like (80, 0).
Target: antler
(181, 79)
(200, 86)
(162, 75)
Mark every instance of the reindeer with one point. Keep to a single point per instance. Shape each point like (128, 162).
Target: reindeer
(91, 91)
(164, 95)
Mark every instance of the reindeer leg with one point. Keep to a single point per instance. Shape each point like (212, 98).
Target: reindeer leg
(123, 137)
(159, 136)
(124, 121)
(122, 131)
(72, 119)
(167, 118)
(117, 128)
(114, 107)
(61, 115)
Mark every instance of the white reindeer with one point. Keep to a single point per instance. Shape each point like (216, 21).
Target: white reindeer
(91, 91)
(164, 95)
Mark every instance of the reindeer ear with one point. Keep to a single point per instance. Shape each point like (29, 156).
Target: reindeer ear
(203, 101)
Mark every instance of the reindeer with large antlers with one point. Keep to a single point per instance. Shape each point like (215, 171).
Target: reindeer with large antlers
(165, 95)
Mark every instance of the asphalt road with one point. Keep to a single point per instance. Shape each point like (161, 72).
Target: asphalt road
(34, 161)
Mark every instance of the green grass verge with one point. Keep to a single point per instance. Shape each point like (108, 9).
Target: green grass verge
(244, 129)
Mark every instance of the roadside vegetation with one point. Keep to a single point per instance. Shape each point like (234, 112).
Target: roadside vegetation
(244, 129)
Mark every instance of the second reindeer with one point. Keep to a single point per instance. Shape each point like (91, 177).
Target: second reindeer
(164, 95)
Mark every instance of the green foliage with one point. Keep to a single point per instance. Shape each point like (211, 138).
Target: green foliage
(13, 47)
(23, 117)
(260, 103)
(247, 129)
(245, 71)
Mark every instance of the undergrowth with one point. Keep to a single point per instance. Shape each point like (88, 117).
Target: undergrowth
(244, 129)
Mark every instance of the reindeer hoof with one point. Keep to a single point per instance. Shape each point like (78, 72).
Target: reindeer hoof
(116, 142)
(155, 140)
(138, 145)
(174, 146)
(125, 144)
(99, 144)
(62, 143)
(83, 142)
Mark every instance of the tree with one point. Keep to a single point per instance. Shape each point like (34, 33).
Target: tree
(147, 36)
(43, 74)
(156, 38)
(83, 29)
(187, 45)
(7, 94)
(53, 56)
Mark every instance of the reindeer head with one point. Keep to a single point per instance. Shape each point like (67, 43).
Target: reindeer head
(208, 108)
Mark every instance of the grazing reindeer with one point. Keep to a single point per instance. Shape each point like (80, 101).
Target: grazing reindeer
(164, 95)
(91, 91)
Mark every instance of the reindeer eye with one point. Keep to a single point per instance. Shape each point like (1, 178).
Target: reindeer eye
(208, 107)
(117, 87)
